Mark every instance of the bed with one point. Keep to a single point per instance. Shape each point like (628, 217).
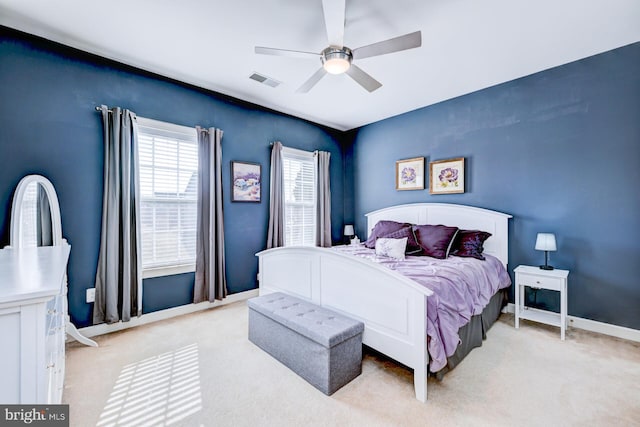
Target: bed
(392, 306)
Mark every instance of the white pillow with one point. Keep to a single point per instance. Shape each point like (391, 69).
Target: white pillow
(393, 248)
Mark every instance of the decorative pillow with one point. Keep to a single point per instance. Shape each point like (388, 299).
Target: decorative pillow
(470, 243)
(413, 248)
(435, 240)
(393, 248)
(381, 229)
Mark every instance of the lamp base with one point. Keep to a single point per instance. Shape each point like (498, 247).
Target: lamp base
(546, 267)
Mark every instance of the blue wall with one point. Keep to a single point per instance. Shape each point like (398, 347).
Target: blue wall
(48, 126)
(559, 150)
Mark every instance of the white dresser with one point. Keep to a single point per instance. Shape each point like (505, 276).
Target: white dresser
(33, 311)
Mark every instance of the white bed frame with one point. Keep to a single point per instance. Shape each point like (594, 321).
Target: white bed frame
(392, 307)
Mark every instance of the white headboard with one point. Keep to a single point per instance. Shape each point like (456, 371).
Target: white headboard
(466, 217)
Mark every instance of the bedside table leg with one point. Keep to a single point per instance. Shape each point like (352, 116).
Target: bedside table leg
(563, 311)
(516, 299)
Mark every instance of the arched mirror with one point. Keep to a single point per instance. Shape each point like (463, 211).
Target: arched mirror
(35, 221)
(35, 214)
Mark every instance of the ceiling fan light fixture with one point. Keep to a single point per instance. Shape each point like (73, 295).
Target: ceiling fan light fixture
(336, 60)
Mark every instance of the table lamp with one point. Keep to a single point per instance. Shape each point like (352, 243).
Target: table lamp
(349, 232)
(546, 242)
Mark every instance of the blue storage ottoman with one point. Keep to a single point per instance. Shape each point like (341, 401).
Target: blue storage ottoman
(323, 347)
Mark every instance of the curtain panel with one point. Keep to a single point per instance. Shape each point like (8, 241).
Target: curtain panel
(323, 221)
(210, 281)
(275, 233)
(119, 273)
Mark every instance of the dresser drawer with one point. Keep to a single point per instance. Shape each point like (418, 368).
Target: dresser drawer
(536, 281)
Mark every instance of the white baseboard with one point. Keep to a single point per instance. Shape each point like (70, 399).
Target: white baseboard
(594, 326)
(92, 331)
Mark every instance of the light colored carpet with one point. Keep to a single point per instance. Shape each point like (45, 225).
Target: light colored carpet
(201, 370)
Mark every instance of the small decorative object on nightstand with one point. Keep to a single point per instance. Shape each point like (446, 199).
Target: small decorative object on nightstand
(534, 277)
(546, 242)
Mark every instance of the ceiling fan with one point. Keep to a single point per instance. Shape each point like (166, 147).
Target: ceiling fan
(337, 58)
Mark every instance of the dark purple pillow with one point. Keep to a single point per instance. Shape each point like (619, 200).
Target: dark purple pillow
(381, 229)
(435, 240)
(413, 248)
(470, 243)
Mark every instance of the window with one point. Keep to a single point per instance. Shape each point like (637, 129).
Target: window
(168, 187)
(299, 175)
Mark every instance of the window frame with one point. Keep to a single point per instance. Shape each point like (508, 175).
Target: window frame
(174, 131)
(302, 155)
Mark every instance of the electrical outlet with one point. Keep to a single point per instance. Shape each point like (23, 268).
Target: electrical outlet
(91, 295)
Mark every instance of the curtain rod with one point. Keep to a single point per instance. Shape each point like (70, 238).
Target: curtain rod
(158, 123)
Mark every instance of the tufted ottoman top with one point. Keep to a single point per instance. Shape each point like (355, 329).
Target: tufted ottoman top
(319, 324)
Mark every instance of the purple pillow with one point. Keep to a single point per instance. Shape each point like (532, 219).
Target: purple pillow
(470, 243)
(381, 229)
(413, 248)
(435, 240)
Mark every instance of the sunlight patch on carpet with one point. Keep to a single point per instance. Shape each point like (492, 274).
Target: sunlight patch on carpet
(158, 391)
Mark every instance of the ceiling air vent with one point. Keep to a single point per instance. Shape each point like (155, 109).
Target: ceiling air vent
(264, 80)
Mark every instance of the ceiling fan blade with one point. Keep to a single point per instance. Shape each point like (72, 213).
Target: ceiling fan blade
(284, 52)
(315, 78)
(363, 79)
(334, 11)
(408, 41)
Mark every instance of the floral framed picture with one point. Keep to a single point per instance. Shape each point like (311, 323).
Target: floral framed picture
(245, 182)
(410, 174)
(446, 176)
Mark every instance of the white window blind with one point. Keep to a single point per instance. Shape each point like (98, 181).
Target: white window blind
(168, 186)
(299, 170)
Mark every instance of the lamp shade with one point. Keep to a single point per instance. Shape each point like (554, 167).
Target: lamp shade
(336, 65)
(546, 242)
(348, 230)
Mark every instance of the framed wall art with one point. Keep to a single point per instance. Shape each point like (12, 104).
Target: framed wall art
(246, 180)
(410, 174)
(446, 176)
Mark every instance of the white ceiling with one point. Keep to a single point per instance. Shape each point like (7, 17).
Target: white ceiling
(467, 45)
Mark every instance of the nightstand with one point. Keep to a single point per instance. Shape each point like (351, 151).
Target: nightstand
(534, 277)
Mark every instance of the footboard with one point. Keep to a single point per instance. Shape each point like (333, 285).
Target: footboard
(392, 307)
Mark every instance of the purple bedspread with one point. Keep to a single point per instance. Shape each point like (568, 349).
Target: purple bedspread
(462, 287)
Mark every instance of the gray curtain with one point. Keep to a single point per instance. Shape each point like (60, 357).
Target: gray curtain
(275, 235)
(211, 282)
(44, 228)
(323, 220)
(119, 275)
